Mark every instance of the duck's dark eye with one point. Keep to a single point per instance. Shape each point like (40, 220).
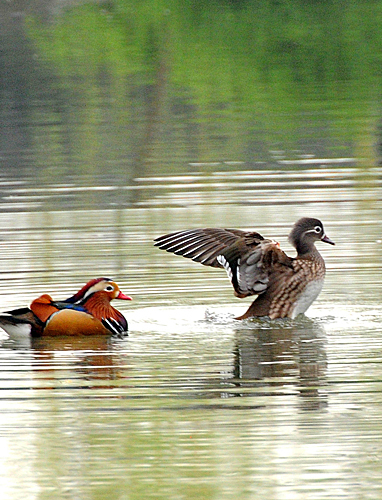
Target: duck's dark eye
(109, 288)
(317, 229)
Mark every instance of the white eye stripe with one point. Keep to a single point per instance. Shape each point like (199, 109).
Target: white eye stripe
(316, 230)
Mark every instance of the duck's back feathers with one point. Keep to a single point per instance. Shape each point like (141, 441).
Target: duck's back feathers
(21, 321)
(250, 269)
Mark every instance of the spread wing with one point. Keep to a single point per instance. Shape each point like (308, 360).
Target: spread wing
(201, 245)
(248, 258)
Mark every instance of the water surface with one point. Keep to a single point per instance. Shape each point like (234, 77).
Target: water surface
(193, 402)
(127, 120)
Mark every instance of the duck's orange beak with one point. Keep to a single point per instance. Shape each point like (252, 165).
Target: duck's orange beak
(122, 296)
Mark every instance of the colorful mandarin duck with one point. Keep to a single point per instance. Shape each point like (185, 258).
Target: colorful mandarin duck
(285, 286)
(88, 312)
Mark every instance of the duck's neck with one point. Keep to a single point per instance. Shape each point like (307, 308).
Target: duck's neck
(99, 305)
(305, 251)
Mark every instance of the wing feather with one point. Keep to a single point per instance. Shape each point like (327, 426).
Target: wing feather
(201, 245)
(247, 257)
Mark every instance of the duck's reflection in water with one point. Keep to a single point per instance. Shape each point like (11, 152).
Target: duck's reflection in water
(91, 358)
(282, 357)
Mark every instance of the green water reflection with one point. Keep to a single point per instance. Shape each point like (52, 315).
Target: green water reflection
(119, 90)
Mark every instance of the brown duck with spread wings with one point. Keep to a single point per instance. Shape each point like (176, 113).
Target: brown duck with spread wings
(285, 286)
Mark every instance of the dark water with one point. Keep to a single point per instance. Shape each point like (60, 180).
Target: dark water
(107, 145)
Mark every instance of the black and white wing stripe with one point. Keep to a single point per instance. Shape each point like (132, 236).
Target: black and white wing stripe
(246, 272)
(115, 327)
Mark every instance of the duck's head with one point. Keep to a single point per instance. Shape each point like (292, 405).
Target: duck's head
(306, 232)
(98, 285)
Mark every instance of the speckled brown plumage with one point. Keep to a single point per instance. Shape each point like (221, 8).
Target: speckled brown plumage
(285, 286)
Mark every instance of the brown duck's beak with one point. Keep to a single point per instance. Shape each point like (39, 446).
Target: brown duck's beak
(122, 296)
(326, 239)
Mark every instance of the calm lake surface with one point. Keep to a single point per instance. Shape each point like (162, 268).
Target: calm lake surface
(104, 149)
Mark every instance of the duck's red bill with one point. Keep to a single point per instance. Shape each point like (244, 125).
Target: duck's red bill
(122, 296)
